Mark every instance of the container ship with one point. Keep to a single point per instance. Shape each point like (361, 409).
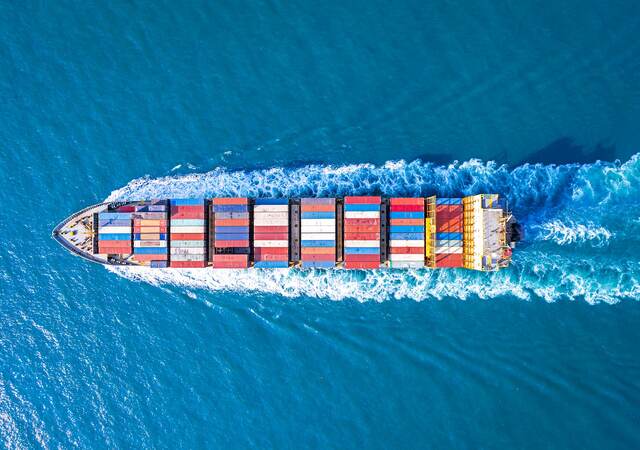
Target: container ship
(365, 232)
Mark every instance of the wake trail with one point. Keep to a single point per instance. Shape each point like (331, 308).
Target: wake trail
(581, 223)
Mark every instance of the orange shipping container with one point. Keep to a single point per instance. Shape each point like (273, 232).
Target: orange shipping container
(318, 251)
(230, 201)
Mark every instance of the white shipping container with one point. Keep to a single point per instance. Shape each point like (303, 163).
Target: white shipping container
(261, 222)
(317, 236)
(406, 243)
(188, 251)
(362, 214)
(270, 215)
(317, 222)
(270, 208)
(149, 243)
(188, 258)
(373, 243)
(270, 243)
(181, 243)
(448, 243)
(187, 222)
(406, 257)
(114, 230)
(181, 229)
(448, 250)
(407, 264)
(318, 229)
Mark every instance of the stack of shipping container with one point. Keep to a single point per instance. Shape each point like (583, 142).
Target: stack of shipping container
(362, 232)
(271, 233)
(231, 233)
(114, 233)
(188, 233)
(449, 228)
(150, 233)
(406, 243)
(318, 232)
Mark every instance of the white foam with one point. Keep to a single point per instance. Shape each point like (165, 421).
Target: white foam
(567, 204)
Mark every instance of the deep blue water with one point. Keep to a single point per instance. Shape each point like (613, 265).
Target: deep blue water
(138, 99)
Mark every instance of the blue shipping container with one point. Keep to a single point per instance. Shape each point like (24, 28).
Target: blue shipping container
(272, 201)
(317, 243)
(448, 201)
(230, 208)
(318, 201)
(362, 250)
(150, 250)
(226, 229)
(406, 236)
(318, 264)
(158, 264)
(318, 215)
(449, 236)
(114, 223)
(406, 229)
(232, 237)
(406, 215)
(232, 215)
(114, 237)
(362, 207)
(109, 215)
(187, 201)
(271, 264)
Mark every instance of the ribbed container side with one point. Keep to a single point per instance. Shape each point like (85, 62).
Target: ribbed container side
(307, 251)
(362, 243)
(272, 201)
(318, 208)
(271, 243)
(318, 264)
(366, 236)
(362, 265)
(317, 222)
(362, 258)
(270, 208)
(363, 214)
(271, 264)
(362, 199)
(230, 201)
(406, 257)
(187, 236)
(406, 201)
(317, 201)
(406, 250)
(403, 222)
(362, 207)
(271, 257)
(188, 264)
(231, 243)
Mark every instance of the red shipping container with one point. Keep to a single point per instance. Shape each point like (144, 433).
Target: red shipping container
(185, 215)
(231, 222)
(362, 258)
(268, 257)
(271, 229)
(452, 209)
(362, 222)
(362, 199)
(114, 250)
(317, 208)
(406, 250)
(362, 265)
(126, 208)
(270, 237)
(230, 201)
(407, 208)
(361, 236)
(187, 209)
(187, 236)
(418, 222)
(229, 265)
(187, 264)
(318, 258)
(144, 257)
(449, 260)
(259, 251)
(406, 201)
(361, 228)
(230, 258)
(449, 229)
(110, 243)
(231, 244)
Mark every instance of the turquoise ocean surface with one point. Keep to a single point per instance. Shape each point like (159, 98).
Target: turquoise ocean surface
(137, 99)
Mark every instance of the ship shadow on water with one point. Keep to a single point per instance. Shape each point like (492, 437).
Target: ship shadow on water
(566, 150)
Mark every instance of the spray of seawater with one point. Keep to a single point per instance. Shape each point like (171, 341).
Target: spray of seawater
(580, 219)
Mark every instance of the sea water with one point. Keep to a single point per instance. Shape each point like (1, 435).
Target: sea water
(134, 100)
